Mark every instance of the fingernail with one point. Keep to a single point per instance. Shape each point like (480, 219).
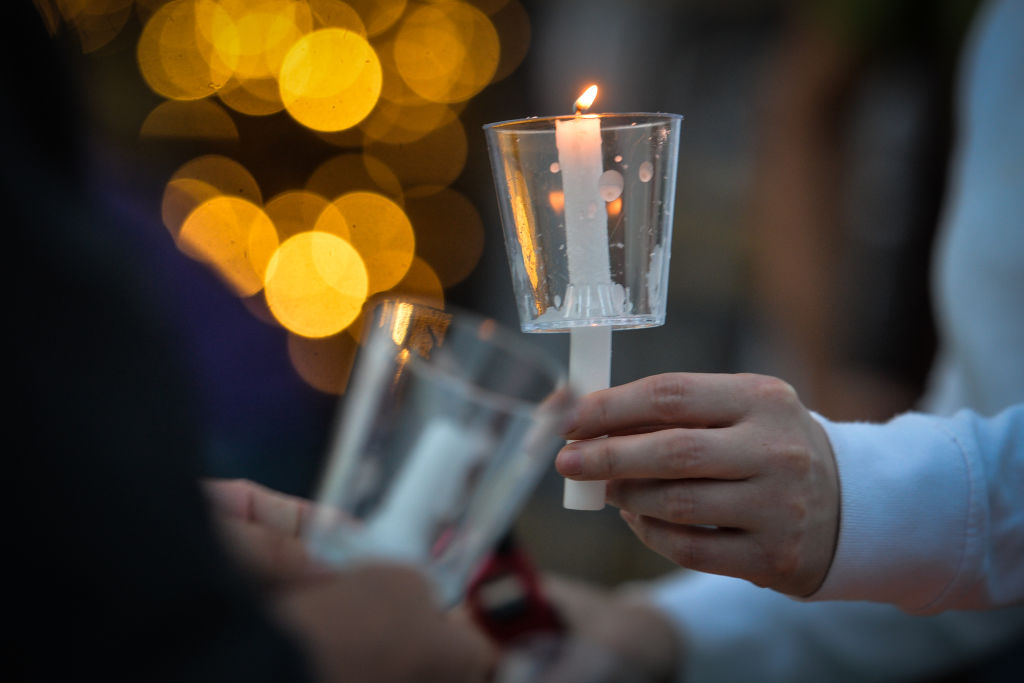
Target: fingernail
(569, 462)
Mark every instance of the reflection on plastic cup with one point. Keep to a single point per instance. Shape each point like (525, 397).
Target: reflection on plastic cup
(446, 428)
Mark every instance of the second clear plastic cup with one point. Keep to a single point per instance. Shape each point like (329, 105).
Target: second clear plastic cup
(446, 428)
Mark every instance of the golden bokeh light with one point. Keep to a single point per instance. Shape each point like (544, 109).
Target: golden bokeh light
(348, 139)
(330, 79)
(144, 9)
(316, 284)
(181, 197)
(96, 22)
(420, 282)
(489, 7)
(332, 221)
(267, 29)
(189, 119)
(337, 14)
(252, 96)
(187, 49)
(224, 173)
(513, 25)
(216, 174)
(449, 231)
(397, 124)
(257, 305)
(382, 234)
(446, 52)
(393, 88)
(295, 211)
(235, 237)
(324, 364)
(383, 81)
(378, 15)
(435, 159)
(349, 172)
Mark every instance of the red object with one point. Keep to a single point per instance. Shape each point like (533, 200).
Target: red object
(506, 600)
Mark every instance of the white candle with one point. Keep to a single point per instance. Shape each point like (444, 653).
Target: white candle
(586, 236)
(590, 354)
(586, 220)
(431, 487)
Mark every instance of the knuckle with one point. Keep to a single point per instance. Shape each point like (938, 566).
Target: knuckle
(666, 393)
(683, 452)
(794, 458)
(679, 504)
(772, 390)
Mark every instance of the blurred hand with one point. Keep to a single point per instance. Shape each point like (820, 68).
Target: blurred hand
(372, 623)
(624, 633)
(727, 474)
(262, 529)
(380, 623)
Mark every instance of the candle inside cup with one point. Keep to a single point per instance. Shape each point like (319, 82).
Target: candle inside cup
(428, 490)
(578, 141)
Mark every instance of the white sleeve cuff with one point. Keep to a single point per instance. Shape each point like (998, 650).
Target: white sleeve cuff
(906, 489)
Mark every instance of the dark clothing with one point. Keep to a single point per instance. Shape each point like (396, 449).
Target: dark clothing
(118, 575)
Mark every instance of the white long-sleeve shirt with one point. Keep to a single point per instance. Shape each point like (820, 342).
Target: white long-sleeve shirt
(932, 512)
(932, 519)
(928, 507)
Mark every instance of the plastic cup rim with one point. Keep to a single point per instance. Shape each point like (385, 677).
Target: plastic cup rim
(501, 337)
(648, 119)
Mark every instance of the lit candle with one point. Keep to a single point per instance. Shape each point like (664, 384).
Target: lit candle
(586, 235)
(586, 220)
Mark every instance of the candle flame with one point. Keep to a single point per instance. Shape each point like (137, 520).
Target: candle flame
(584, 101)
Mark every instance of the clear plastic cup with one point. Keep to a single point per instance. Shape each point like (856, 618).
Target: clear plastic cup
(586, 205)
(446, 428)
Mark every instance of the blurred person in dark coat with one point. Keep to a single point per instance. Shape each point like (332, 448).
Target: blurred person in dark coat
(121, 569)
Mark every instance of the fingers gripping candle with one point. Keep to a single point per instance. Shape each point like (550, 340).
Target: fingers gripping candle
(578, 141)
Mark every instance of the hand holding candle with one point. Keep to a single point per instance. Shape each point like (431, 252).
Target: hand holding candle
(586, 203)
